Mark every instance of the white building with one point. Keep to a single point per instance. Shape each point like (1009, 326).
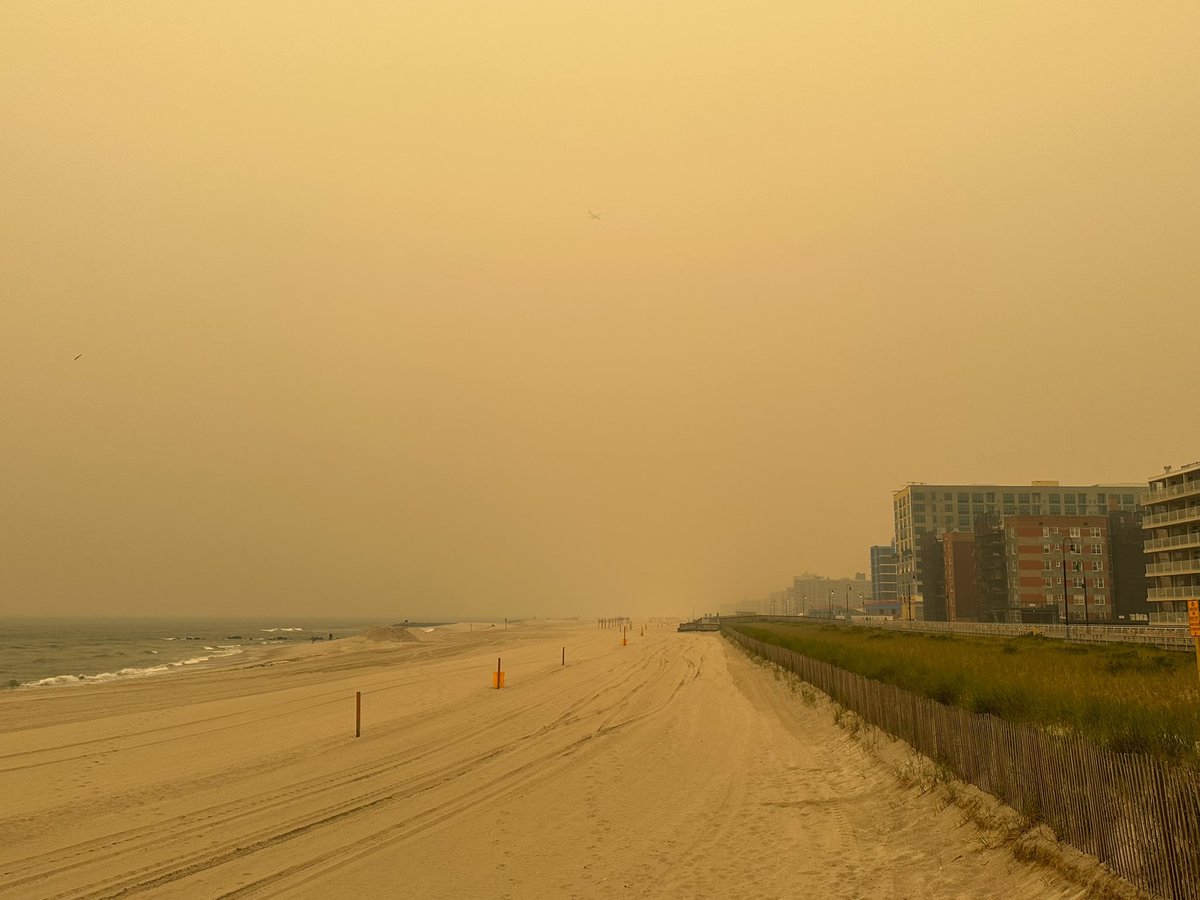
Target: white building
(1171, 527)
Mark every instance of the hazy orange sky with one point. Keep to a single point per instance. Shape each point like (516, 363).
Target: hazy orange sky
(351, 341)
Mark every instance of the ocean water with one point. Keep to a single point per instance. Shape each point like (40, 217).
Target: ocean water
(42, 653)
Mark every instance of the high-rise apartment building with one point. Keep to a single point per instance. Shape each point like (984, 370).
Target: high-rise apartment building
(883, 574)
(920, 509)
(1171, 526)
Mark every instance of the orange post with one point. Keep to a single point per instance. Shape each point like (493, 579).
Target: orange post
(357, 713)
(498, 676)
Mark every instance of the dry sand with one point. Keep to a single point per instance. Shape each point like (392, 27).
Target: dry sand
(672, 767)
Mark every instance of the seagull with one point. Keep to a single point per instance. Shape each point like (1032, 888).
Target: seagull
(79, 356)
(593, 215)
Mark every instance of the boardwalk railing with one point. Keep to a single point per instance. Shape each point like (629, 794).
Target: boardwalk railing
(1138, 814)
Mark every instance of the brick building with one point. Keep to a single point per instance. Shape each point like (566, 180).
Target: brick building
(1058, 569)
(962, 600)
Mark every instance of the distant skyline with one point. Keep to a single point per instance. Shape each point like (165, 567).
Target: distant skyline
(305, 309)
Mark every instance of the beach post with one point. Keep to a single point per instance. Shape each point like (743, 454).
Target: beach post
(498, 676)
(624, 639)
(564, 662)
(357, 713)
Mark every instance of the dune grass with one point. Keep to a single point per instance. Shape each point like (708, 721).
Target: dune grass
(1128, 698)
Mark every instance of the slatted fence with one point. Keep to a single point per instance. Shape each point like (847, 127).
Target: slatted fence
(1136, 813)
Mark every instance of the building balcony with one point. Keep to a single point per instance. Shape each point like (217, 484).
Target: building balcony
(1179, 592)
(1186, 489)
(1175, 567)
(1187, 514)
(1170, 543)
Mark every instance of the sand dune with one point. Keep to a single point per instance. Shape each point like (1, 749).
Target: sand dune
(669, 768)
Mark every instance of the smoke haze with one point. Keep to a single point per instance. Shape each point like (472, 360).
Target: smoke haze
(350, 339)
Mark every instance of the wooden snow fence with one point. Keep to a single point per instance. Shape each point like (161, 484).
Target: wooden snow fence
(1138, 814)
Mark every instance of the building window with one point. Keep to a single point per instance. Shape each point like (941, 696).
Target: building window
(1074, 532)
(1098, 582)
(1070, 510)
(1046, 564)
(964, 498)
(1100, 498)
(1010, 498)
(1127, 499)
(1010, 509)
(1095, 532)
(1023, 498)
(1077, 582)
(1045, 531)
(1046, 548)
(1047, 582)
(1097, 549)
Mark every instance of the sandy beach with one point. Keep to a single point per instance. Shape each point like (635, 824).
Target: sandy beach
(672, 767)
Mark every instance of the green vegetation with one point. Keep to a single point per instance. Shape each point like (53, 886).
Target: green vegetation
(1128, 698)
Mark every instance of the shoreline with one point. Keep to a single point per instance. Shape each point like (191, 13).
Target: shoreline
(227, 642)
(250, 780)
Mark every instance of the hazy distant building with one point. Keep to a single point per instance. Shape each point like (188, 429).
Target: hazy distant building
(1171, 527)
(883, 574)
(920, 509)
(816, 595)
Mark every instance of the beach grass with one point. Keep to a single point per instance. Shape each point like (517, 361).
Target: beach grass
(1128, 698)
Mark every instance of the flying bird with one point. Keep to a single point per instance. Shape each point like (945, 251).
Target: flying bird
(594, 215)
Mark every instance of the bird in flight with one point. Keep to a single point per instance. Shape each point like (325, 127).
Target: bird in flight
(79, 355)
(594, 215)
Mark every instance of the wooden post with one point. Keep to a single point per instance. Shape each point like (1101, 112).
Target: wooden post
(357, 713)
(564, 662)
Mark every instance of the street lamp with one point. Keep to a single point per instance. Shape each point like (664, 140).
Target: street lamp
(1066, 608)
